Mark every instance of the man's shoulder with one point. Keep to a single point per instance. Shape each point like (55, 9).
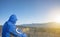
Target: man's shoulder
(9, 23)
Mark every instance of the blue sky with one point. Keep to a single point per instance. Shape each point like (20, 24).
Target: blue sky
(28, 11)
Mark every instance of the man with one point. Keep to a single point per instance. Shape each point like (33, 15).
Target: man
(10, 28)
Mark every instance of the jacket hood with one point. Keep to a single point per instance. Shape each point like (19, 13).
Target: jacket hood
(13, 19)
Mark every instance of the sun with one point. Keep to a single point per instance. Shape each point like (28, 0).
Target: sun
(57, 19)
(55, 14)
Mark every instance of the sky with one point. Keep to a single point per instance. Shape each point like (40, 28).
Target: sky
(29, 11)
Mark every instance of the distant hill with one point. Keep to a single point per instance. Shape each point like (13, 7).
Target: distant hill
(44, 25)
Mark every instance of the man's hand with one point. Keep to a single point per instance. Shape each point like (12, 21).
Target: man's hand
(18, 31)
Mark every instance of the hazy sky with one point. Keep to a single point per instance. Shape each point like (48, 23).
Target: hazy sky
(29, 11)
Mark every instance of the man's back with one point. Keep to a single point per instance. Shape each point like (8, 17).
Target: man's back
(5, 32)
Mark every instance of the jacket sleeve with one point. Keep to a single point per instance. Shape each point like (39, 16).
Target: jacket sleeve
(12, 29)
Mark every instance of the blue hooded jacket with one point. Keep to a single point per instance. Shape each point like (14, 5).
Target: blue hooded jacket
(10, 28)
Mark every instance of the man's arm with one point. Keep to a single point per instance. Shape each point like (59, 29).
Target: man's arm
(12, 29)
